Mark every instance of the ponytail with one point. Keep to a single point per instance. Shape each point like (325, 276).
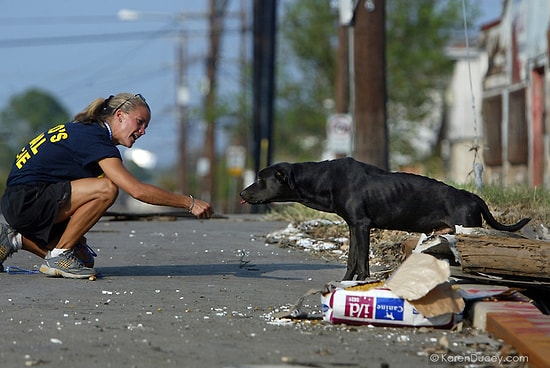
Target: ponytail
(101, 108)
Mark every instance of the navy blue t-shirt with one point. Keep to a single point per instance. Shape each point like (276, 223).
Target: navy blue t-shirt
(64, 152)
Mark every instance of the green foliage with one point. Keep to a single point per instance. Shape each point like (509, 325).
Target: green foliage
(26, 115)
(417, 34)
(417, 69)
(516, 202)
(307, 42)
(309, 28)
(30, 113)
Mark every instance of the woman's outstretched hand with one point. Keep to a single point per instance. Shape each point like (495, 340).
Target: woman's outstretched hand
(202, 209)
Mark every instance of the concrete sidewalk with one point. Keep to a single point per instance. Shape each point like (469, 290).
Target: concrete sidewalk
(190, 293)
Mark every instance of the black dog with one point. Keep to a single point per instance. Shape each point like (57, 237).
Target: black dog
(368, 197)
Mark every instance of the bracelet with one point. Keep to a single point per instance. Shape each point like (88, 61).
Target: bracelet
(192, 203)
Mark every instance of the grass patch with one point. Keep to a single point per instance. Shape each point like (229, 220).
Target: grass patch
(295, 213)
(516, 202)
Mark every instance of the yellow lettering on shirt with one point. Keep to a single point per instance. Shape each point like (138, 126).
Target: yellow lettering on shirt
(58, 137)
(56, 134)
(22, 158)
(56, 128)
(37, 142)
(61, 133)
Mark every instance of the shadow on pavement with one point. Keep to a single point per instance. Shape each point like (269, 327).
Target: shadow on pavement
(250, 270)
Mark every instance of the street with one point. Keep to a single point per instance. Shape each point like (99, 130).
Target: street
(192, 293)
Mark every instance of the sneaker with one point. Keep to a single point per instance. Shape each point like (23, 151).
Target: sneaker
(85, 253)
(6, 248)
(66, 265)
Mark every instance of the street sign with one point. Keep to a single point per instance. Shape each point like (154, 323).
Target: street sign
(236, 157)
(339, 133)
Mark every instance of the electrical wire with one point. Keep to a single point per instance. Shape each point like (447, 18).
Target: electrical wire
(477, 167)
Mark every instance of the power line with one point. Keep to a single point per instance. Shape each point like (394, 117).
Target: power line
(63, 40)
(77, 19)
(106, 37)
(96, 19)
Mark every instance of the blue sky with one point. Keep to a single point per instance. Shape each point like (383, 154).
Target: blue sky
(76, 71)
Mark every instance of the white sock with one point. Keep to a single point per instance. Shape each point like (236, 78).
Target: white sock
(16, 240)
(55, 252)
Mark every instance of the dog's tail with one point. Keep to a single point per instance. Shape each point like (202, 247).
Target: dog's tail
(497, 225)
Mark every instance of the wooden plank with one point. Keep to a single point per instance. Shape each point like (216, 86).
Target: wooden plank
(504, 255)
(529, 335)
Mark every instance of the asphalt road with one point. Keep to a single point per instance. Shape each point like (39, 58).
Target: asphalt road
(189, 293)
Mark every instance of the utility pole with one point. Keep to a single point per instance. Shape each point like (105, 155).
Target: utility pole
(371, 131)
(243, 117)
(182, 98)
(216, 15)
(264, 34)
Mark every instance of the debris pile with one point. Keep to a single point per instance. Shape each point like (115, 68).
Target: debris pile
(330, 240)
(475, 275)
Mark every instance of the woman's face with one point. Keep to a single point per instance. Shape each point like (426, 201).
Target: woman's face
(128, 127)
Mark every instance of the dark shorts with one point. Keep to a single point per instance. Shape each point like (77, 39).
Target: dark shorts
(32, 210)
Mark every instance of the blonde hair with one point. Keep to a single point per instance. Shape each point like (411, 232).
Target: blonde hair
(101, 108)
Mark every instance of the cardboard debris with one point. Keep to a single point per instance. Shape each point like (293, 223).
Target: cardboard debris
(422, 281)
(440, 300)
(419, 274)
(417, 294)
(440, 246)
(471, 292)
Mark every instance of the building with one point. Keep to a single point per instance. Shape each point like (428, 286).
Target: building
(510, 83)
(464, 126)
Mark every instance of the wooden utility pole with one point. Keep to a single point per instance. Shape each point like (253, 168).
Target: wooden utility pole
(216, 15)
(181, 102)
(371, 132)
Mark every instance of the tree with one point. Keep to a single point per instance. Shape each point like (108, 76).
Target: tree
(306, 76)
(417, 68)
(25, 115)
(31, 112)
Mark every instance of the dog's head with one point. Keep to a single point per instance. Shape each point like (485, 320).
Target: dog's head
(275, 183)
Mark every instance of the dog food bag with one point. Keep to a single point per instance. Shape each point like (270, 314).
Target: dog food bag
(377, 306)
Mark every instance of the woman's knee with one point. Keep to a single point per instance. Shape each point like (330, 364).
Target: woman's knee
(108, 189)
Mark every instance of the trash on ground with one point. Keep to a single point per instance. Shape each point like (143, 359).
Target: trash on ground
(417, 294)
(433, 277)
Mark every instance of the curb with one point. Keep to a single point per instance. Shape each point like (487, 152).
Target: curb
(519, 324)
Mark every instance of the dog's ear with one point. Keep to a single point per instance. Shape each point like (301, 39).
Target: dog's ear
(284, 175)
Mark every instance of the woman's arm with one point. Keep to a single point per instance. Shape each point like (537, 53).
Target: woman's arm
(122, 178)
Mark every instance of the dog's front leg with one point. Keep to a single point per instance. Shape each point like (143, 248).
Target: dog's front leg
(358, 255)
(352, 254)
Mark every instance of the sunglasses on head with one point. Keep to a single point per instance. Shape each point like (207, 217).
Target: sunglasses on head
(137, 95)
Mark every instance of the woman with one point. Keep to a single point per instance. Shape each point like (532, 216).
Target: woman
(65, 179)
